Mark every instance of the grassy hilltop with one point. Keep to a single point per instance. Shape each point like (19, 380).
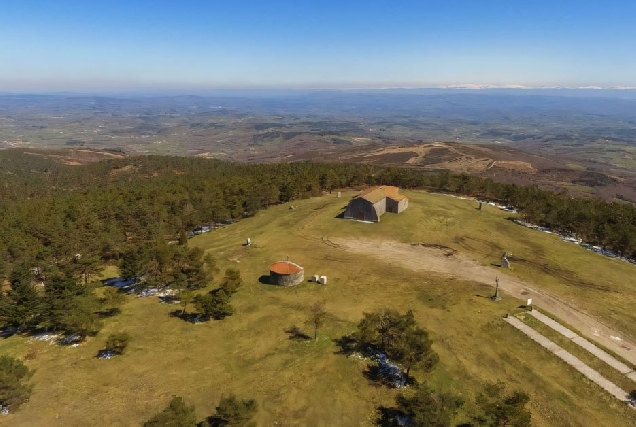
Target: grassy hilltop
(308, 383)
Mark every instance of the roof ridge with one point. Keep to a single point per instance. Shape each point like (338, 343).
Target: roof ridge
(376, 193)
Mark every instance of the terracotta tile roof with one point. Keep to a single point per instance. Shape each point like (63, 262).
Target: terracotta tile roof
(375, 194)
(285, 267)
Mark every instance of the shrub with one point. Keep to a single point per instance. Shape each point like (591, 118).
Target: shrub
(117, 343)
(177, 414)
(233, 412)
(232, 281)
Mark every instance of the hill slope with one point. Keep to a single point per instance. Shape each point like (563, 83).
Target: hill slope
(310, 383)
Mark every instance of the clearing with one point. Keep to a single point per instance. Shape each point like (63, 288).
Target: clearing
(419, 258)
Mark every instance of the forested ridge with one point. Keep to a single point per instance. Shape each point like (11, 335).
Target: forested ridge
(52, 212)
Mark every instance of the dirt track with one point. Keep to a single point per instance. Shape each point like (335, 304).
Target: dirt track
(419, 258)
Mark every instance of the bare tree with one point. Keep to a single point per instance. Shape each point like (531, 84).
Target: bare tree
(318, 317)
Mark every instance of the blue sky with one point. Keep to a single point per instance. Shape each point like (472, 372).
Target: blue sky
(119, 45)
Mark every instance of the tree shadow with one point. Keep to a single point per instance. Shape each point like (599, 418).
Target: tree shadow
(213, 421)
(114, 311)
(10, 331)
(58, 337)
(347, 345)
(388, 417)
(373, 375)
(104, 354)
(377, 378)
(295, 334)
(72, 339)
(188, 317)
(169, 299)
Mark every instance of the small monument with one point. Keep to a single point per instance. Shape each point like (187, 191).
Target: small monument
(504, 261)
(249, 242)
(315, 278)
(479, 208)
(339, 194)
(496, 296)
(322, 280)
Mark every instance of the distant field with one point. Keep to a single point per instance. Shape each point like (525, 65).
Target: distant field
(310, 384)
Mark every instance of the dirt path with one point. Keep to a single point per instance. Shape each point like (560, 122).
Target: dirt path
(420, 258)
(571, 360)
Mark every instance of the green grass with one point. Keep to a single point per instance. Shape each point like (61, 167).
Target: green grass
(602, 347)
(108, 271)
(309, 383)
(583, 355)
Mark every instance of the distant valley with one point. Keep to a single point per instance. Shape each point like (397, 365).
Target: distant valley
(581, 142)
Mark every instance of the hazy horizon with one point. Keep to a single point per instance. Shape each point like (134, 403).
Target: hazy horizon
(342, 93)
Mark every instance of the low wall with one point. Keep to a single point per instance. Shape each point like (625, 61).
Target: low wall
(286, 279)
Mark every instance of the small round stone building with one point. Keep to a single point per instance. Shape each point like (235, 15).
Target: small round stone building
(286, 273)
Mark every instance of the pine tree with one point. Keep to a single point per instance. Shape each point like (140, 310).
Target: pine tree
(399, 337)
(232, 281)
(215, 304)
(13, 389)
(497, 408)
(22, 306)
(428, 409)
